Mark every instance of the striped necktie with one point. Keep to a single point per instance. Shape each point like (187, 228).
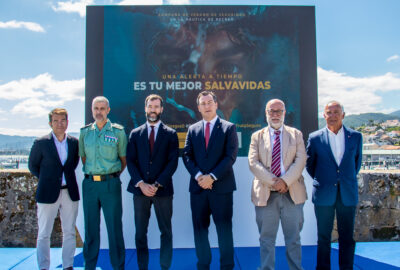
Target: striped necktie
(276, 155)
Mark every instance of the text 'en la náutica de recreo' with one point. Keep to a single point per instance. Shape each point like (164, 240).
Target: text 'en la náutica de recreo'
(200, 85)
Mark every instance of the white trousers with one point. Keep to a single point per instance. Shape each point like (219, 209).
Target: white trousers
(47, 212)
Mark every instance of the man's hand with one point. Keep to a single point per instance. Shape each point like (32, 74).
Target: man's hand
(205, 181)
(147, 189)
(280, 185)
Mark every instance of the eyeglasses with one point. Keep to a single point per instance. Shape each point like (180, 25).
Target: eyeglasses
(277, 112)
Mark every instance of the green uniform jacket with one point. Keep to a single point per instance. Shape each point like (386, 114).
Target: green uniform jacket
(102, 148)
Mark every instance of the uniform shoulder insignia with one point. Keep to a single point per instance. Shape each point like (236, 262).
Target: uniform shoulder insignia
(88, 125)
(117, 126)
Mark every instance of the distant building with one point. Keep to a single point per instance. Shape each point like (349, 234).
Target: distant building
(394, 134)
(391, 123)
(381, 159)
(370, 128)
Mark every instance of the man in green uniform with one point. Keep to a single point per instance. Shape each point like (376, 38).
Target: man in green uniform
(102, 147)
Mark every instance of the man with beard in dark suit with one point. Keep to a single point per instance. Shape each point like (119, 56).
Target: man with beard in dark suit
(152, 158)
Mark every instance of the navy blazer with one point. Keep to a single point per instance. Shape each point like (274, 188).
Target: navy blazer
(217, 159)
(326, 174)
(159, 166)
(45, 164)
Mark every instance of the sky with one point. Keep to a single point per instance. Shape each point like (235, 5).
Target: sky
(42, 56)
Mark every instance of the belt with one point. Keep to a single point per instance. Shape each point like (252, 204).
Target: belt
(101, 177)
(64, 187)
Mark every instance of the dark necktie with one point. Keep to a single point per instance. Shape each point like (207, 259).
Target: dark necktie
(207, 134)
(151, 139)
(276, 155)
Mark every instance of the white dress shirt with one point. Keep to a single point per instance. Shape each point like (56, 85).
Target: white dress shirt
(336, 141)
(62, 150)
(272, 136)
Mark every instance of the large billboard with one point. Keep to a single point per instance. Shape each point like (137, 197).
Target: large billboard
(246, 55)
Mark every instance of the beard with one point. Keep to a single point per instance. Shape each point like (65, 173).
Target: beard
(275, 125)
(153, 117)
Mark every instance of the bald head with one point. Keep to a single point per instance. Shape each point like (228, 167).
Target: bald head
(274, 101)
(275, 111)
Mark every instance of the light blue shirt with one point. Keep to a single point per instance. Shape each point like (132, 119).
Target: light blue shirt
(62, 150)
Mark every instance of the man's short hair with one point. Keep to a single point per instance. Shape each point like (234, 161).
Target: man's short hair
(153, 97)
(335, 102)
(100, 99)
(58, 111)
(206, 93)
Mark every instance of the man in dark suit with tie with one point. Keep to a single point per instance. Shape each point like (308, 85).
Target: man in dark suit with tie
(152, 158)
(210, 151)
(53, 159)
(334, 160)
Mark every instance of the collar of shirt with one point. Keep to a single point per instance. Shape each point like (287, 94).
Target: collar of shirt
(340, 132)
(212, 123)
(107, 126)
(272, 132)
(156, 126)
(57, 141)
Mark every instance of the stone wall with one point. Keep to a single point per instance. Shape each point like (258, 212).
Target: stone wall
(378, 212)
(18, 220)
(377, 219)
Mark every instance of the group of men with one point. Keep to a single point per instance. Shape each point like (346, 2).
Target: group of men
(277, 157)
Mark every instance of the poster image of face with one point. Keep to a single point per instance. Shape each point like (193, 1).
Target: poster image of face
(246, 55)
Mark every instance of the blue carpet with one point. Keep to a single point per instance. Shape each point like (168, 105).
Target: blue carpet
(369, 256)
(247, 258)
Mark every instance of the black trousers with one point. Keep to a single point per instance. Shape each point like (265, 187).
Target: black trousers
(345, 221)
(220, 206)
(163, 210)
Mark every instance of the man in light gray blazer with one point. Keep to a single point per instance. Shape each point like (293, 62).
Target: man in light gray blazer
(277, 158)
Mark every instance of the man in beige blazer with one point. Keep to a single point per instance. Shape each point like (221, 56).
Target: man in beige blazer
(277, 158)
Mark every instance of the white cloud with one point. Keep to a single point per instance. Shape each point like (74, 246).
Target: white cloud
(141, 2)
(19, 24)
(358, 94)
(393, 58)
(33, 107)
(178, 2)
(43, 85)
(25, 132)
(36, 96)
(73, 6)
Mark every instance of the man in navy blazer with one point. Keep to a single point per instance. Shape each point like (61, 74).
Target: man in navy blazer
(152, 158)
(334, 160)
(53, 159)
(210, 151)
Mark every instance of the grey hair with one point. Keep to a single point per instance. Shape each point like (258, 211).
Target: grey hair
(335, 102)
(274, 100)
(100, 99)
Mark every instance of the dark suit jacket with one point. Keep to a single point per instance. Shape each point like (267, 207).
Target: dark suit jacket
(218, 159)
(45, 164)
(326, 174)
(160, 166)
